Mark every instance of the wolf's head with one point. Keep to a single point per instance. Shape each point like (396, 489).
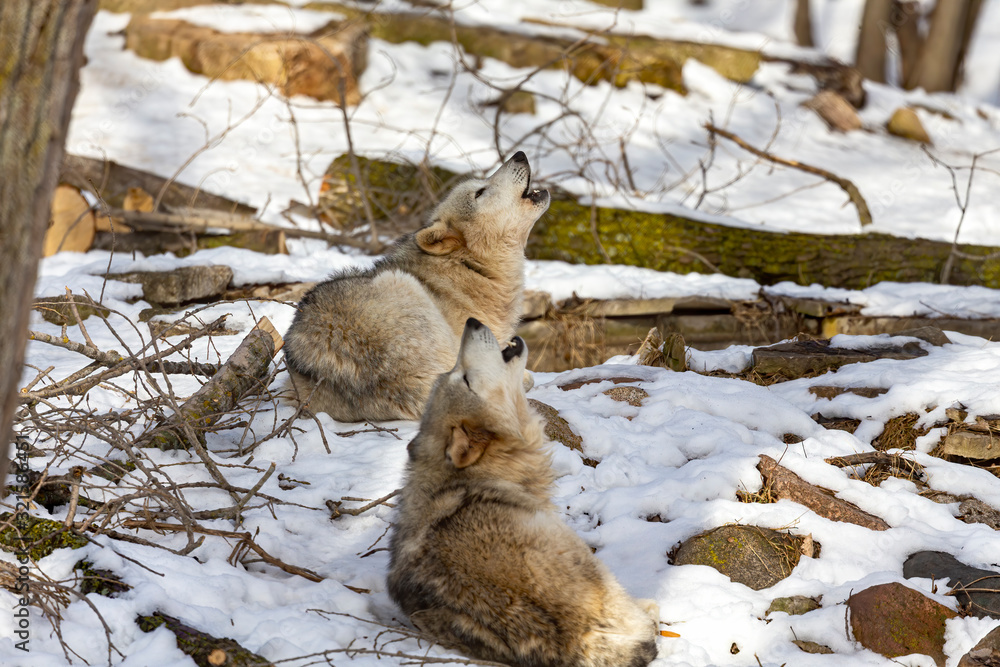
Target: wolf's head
(484, 216)
(478, 419)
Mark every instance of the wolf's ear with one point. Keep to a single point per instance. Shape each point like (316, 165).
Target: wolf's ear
(467, 446)
(439, 239)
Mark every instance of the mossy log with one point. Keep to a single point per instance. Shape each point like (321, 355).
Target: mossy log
(615, 58)
(204, 649)
(37, 537)
(667, 242)
(243, 373)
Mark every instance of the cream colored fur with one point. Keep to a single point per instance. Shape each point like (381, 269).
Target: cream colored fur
(368, 345)
(481, 560)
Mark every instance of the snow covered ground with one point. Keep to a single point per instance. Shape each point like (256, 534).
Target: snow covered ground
(682, 456)
(419, 103)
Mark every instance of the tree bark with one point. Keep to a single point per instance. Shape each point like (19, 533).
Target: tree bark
(40, 54)
(940, 58)
(906, 21)
(242, 372)
(967, 30)
(803, 24)
(870, 59)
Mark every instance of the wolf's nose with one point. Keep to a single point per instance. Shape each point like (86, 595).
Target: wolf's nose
(473, 323)
(520, 157)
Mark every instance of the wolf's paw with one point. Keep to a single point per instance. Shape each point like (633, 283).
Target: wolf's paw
(528, 381)
(652, 609)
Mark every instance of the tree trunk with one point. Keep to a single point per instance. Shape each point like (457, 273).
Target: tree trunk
(803, 24)
(967, 30)
(940, 58)
(906, 21)
(40, 54)
(870, 58)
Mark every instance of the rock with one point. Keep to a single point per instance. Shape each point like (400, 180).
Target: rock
(811, 647)
(811, 357)
(981, 423)
(318, 65)
(974, 510)
(57, 309)
(928, 334)
(557, 428)
(793, 606)
(894, 620)
(188, 283)
(906, 124)
(984, 654)
(627, 393)
(837, 112)
(72, 224)
(971, 445)
(977, 590)
(749, 555)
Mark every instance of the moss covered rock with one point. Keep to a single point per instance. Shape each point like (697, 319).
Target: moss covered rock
(894, 620)
(749, 555)
(38, 537)
(557, 428)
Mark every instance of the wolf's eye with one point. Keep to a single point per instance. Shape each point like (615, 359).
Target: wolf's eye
(465, 379)
(479, 192)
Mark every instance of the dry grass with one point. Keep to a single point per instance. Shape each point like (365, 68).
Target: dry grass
(572, 339)
(764, 495)
(900, 433)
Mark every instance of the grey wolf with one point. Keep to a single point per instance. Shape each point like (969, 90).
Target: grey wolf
(368, 344)
(480, 559)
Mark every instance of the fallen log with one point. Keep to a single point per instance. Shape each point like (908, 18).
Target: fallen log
(242, 373)
(112, 181)
(894, 462)
(785, 484)
(683, 244)
(204, 649)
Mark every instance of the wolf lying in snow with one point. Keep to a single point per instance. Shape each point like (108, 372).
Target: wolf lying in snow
(368, 344)
(480, 559)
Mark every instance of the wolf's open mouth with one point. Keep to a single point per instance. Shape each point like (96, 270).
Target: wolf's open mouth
(534, 195)
(513, 349)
